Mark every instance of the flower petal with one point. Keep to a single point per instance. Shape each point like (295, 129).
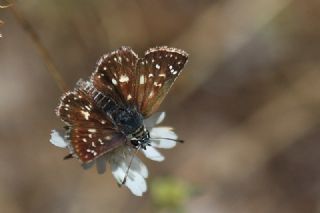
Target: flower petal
(101, 164)
(155, 119)
(57, 140)
(87, 165)
(117, 172)
(163, 143)
(135, 182)
(138, 166)
(163, 132)
(153, 154)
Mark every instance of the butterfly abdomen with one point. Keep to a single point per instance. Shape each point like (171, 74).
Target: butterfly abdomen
(104, 102)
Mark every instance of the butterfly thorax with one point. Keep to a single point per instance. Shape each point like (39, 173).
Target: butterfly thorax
(130, 122)
(127, 120)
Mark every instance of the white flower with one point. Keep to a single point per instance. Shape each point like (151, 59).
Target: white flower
(120, 157)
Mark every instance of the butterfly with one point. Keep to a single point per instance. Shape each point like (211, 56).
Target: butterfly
(112, 108)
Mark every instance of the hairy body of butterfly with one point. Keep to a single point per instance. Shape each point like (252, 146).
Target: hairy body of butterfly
(108, 110)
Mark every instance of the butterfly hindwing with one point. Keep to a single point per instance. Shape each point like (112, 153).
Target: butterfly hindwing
(91, 132)
(90, 143)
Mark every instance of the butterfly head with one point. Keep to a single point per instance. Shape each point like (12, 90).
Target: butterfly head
(141, 138)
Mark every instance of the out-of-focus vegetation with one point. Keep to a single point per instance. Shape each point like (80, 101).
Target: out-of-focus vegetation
(170, 194)
(247, 104)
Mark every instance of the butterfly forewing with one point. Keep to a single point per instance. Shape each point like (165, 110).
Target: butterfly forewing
(91, 132)
(155, 74)
(115, 74)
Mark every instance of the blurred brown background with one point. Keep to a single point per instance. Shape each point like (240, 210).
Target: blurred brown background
(247, 104)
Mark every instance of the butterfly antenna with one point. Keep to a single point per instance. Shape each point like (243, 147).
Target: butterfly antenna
(127, 172)
(170, 139)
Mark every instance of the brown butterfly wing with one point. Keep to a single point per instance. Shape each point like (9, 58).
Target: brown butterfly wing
(92, 133)
(155, 75)
(115, 74)
(143, 82)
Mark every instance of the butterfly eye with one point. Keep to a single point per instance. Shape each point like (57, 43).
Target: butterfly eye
(135, 142)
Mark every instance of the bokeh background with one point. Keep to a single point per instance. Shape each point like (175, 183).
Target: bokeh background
(247, 104)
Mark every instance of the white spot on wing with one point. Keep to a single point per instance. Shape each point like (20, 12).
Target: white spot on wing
(124, 78)
(100, 141)
(151, 94)
(129, 97)
(85, 114)
(142, 79)
(158, 66)
(92, 130)
(114, 81)
(157, 84)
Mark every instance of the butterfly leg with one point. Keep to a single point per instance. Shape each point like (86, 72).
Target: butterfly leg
(69, 156)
